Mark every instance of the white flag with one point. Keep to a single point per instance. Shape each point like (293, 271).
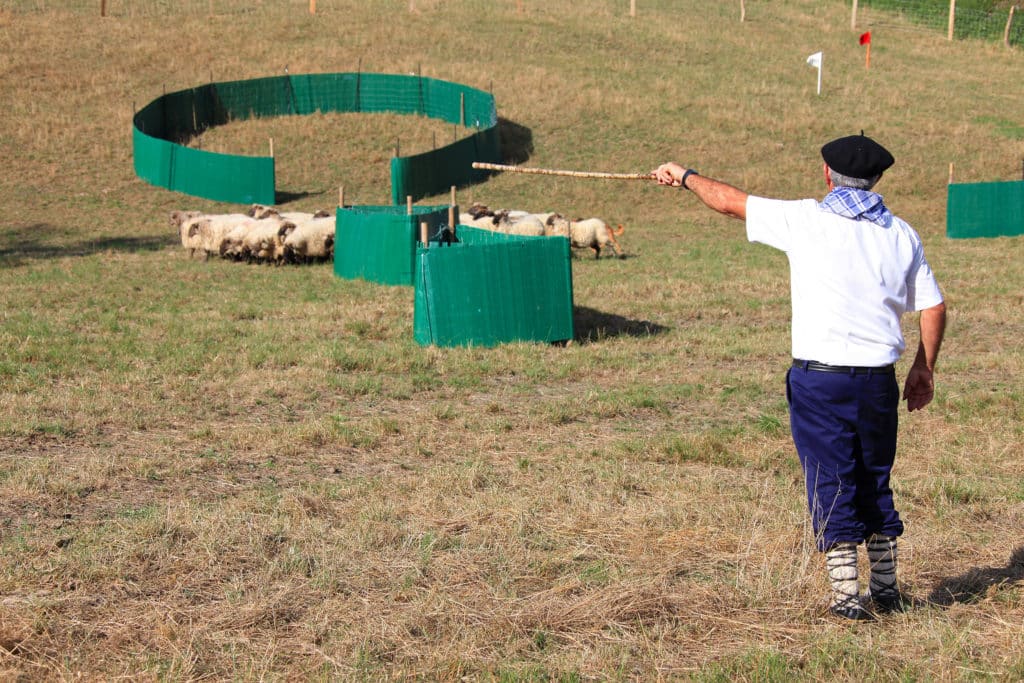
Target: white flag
(815, 61)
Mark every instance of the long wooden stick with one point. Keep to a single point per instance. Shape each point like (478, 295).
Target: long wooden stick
(551, 171)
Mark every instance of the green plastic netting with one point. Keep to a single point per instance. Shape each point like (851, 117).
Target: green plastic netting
(378, 243)
(161, 128)
(985, 209)
(490, 288)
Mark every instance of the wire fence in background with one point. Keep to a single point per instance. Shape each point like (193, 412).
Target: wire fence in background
(1005, 24)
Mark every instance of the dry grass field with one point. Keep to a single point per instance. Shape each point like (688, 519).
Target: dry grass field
(218, 471)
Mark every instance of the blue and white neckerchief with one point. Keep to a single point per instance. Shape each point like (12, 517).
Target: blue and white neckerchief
(858, 205)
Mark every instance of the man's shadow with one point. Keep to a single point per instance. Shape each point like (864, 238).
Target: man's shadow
(975, 584)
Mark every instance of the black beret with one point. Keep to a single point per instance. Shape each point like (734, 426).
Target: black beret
(857, 156)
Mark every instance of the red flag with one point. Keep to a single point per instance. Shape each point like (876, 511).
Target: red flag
(865, 38)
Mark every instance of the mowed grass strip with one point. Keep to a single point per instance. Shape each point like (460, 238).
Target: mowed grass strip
(220, 470)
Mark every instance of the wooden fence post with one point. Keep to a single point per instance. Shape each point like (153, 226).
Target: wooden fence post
(952, 18)
(1009, 21)
(312, 6)
(853, 17)
(632, 8)
(103, 8)
(743, 10)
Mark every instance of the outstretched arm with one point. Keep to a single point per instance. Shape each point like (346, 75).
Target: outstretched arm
(721, 197)
(920, 386)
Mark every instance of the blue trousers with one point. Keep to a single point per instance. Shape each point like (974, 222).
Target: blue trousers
(844, 428)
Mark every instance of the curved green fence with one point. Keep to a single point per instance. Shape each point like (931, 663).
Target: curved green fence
(160, 128)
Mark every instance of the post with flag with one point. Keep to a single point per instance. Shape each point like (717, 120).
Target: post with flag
(865, 39)
(815, 61)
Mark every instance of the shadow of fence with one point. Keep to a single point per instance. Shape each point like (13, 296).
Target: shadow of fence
(591, 325)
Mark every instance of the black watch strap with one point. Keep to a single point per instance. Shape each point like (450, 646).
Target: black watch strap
(689, 172)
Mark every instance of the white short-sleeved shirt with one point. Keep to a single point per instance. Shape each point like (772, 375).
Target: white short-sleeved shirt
(851, 281)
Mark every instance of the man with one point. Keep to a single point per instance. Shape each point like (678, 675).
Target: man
(855, 269)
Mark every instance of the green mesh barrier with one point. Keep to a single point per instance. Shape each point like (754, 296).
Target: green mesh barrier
(378, 243)
(174, 118)
(434, 172)
(222, 177)
(490, 288)
(985, 209)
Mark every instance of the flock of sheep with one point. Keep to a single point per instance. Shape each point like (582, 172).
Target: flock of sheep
(263, 234)
(266, 235)
(583, 233)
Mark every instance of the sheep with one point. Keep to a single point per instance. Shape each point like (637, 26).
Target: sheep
(213, 228)
(182, 222)
(510, 221)
(477, 216)
(233, 244)
(591, 233)
(310, 241)
(264, 240)
(260, 211)
(521, 224)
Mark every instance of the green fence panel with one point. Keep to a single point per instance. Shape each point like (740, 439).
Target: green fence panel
(176, 117)
(222, 177)
(434, 172)
(256, 98)
(490, 289)
(226, 178)
(985, 209)
(378, 243)
(325, 93)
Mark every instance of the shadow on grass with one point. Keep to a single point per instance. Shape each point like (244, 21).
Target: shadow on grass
(282, 197)
(592, 325)
(32, 242)
(516, 141)
(975, 584)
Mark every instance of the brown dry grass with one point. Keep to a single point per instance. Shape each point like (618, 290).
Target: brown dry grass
(213, 471)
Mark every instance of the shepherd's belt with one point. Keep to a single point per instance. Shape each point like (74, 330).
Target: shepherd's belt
(815, 366)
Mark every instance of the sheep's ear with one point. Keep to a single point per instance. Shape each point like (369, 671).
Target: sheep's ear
(322, 213)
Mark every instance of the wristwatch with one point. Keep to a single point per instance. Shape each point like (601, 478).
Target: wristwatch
(689, 172)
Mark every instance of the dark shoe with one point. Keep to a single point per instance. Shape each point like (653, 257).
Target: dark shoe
(851, 612)
(888, 602)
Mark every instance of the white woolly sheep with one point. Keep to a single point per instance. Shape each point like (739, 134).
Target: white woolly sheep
(592, 233)
(310, 241)
(524, 224)
(182, 222)
(261, 211)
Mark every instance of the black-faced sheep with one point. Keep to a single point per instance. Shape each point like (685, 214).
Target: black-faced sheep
(310, 241)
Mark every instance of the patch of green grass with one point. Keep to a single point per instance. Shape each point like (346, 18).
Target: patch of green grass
(1014, 130)
(758, 665)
